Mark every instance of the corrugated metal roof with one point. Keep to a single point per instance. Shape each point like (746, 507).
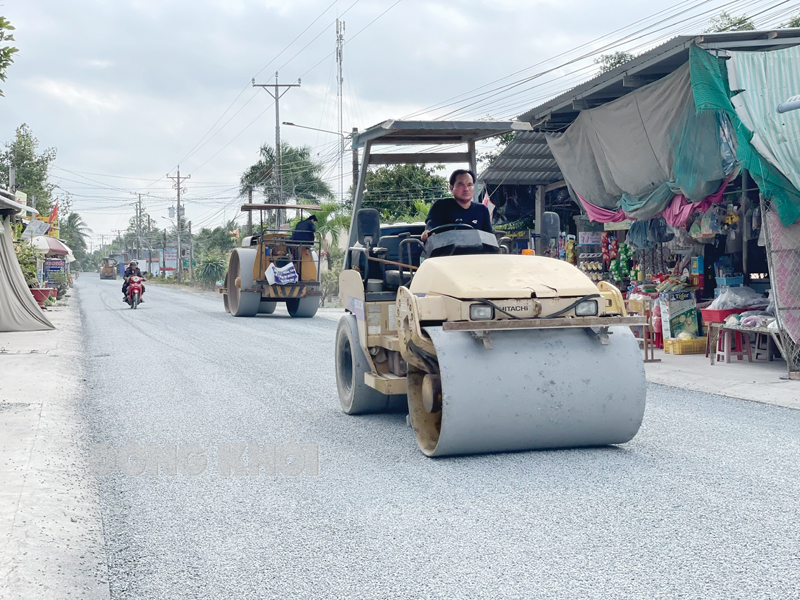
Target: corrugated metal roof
(527, 159)
(646, 68)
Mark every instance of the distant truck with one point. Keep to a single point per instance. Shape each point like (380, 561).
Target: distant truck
(108, 268)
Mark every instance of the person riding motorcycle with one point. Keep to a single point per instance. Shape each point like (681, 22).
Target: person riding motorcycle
(130, 271)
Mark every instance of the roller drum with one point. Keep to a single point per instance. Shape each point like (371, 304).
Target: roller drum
(535, 389)
(240, 267)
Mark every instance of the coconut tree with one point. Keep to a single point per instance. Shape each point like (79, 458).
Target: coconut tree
(75, 233)
(300, 174)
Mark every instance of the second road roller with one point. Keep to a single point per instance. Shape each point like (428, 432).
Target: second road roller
(487, 351)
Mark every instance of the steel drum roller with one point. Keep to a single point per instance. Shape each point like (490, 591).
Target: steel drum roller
(535, 389)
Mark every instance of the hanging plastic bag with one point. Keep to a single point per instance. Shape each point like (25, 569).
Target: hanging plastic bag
(637, 236)
(658, 231)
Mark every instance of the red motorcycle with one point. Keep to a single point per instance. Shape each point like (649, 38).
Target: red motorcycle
(135, 290)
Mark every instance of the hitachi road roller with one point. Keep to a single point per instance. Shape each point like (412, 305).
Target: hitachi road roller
(487, 351)
(275, 266)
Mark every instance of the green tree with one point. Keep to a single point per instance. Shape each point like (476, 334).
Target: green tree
(727, 22)
(332, 220)
(6, 51)
(75, 234)
(486, 159)
(395, 190)
(218, 240)
(793, 22)
(609, 62)
(31, 168)
(301, 175)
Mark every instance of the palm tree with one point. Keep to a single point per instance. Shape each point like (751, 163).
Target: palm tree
(300, 174)
(74, 232)
(332, 219)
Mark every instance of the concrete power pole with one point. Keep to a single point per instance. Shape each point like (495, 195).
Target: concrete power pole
(250, 212)
(191, 253)
(355, 160)
(277, 95)
(139, 229)
(178, 181)
(340, 98)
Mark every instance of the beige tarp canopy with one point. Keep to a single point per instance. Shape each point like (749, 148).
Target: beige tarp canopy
(18, 308)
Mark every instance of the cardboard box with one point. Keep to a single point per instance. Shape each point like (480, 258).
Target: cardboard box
(678, 313)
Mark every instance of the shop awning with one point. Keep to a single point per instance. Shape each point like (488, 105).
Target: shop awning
(51, 245)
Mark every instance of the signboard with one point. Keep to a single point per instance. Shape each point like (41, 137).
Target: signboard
(35, 227)
(53, 266)
(586, 238)
(621, 226)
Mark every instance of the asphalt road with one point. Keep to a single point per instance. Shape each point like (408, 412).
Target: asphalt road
(701, 504)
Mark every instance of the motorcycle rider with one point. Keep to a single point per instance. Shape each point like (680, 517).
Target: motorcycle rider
(130, 271)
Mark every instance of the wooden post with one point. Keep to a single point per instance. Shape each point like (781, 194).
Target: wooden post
(539, 247)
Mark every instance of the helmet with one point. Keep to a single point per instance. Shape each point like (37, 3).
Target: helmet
(132, 263)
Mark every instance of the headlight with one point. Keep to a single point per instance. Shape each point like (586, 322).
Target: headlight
(481, 312)
(587, 308)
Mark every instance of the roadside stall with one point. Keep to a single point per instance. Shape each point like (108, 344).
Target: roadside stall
(688, 188)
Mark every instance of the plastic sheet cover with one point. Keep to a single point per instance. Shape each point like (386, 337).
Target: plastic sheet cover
(641, 150)
(18, 308)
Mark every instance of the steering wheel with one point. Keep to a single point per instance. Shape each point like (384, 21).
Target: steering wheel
(448, 227)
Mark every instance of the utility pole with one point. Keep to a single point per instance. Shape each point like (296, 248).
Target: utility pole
(340, 97)
(277, 95)
(139, 229)
(250, 212)
(191, 253)
(355, 160)
(102, 245)
(178, 181)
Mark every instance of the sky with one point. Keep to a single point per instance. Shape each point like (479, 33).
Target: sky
(128, 90)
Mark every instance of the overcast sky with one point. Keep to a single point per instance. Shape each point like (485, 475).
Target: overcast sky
(127, 89)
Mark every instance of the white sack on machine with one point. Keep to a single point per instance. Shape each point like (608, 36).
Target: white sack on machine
(281, 275)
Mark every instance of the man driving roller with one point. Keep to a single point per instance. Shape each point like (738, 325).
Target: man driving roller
(460, 208)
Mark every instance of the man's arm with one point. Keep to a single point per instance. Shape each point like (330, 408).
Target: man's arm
(434, 220)
(486, 220)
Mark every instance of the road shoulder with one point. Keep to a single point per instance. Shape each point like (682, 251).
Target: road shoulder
(51, 533)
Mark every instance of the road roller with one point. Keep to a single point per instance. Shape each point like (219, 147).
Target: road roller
(247, 290)
(486, 351)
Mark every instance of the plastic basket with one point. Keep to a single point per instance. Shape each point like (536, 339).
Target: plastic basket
(731, 281)
(718, 316)
(674, 346)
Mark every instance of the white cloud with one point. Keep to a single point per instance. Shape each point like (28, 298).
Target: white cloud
(80, 97)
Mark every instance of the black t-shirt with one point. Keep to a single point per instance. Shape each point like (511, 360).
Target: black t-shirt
(130, 272)
(448, 211)
(304, 231)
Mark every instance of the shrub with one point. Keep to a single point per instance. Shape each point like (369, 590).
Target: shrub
(212, 268)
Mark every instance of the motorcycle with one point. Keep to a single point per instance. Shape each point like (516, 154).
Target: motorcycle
(135, 287)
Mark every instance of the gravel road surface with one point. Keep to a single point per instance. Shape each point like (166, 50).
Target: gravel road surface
(701, 504)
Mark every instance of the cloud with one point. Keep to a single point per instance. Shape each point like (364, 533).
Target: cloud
(80, 97)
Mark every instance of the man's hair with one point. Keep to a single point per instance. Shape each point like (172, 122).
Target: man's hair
(313, 218)
(454, 175)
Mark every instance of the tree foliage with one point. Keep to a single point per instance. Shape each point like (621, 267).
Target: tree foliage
(725, 21)
(6, 51)
(32, 167)
(395, 190)
(609, 62)
(300, 173)
(75, 234)
(793, 22)
(486, 159)
(212, 268)
(218, 240)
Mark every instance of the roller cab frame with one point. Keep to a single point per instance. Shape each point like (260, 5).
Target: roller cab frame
(486, 351)
(247, 292)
